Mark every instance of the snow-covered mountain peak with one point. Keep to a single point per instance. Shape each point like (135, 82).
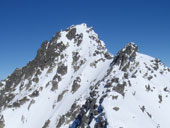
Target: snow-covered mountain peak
(77, 32)
(77, 38)
(75, 82)
(125, 56)
(64, 67)
(130, 47)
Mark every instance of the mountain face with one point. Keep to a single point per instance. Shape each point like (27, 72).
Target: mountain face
(74, 82)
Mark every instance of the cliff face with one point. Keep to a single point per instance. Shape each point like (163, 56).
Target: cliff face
(75, 82)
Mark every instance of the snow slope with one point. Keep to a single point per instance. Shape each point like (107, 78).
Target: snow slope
(75, 82)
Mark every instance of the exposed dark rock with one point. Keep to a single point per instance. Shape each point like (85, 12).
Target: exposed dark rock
(56, 37)
(28, 85)
(23, 100)
(76, 84)
(54, 85)
(77, 63)
(149, 114)
(69, 116)
(47, 84)
(57, 77)
(120, 88)
(168, 69)
(129, 83)
(148, 88)
(93, 111)
(61, 47)
(71, 34)
(13, 80)
(79, 39)
(156, 64)
(116, 108)
(34, 94)
(126, 75)
(2, 122)
(101, 122)
(94, 63)
(23, 119)
(125, 67)
(62, 69)
(125, 56)
(115, 80)
(158, 126)
(150, 77)
(134, 93)
(93, 38)
(114, 97)
(31, 102)
(60, 97)
(98, 52)
(35, 80)
(166, 89)
(61, 121)
(76, 57)
(108, 85)
(160, 98)
(102, 98)
(5, 99)
(46, 125)
(161, 72)
(143, 108)
(18, 103)
(108, 56)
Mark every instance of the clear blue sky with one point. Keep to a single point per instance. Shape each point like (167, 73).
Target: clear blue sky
(25, 24)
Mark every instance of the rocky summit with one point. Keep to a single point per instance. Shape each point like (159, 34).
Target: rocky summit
(74, 82)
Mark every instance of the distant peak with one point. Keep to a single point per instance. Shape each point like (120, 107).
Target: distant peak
(130, 48)
(80, 27)
(127, 54)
